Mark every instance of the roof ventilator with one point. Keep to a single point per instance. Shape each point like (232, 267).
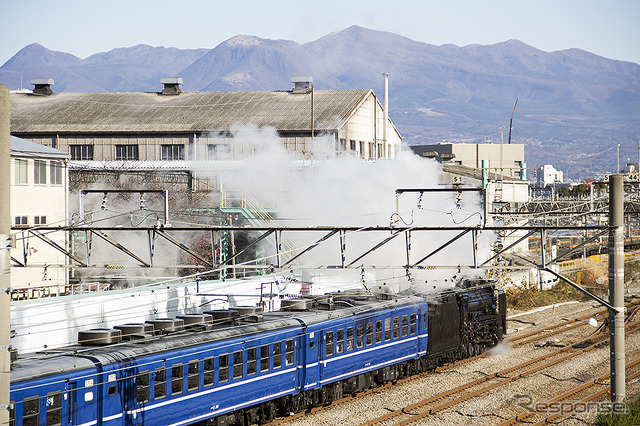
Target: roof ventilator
(42, 86)
(171, 85)
(302, 83)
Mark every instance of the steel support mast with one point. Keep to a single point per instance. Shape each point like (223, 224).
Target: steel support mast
(616, 288)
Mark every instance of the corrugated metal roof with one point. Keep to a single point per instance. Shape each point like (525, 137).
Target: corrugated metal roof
(24, 148)
(187, 112)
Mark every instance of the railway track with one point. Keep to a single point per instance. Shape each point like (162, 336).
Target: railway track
(523, 339)
(416, 413)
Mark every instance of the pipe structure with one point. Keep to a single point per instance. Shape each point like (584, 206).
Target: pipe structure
(616, 290)
(5, 255)
(385, 124)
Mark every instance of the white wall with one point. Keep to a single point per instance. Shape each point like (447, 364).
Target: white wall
(39, 200)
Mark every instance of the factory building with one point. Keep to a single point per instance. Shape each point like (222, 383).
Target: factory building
(508, 158)
(172, 125)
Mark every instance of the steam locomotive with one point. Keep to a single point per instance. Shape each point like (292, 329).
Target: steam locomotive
(240, 368)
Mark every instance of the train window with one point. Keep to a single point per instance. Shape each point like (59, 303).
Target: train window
(223, 368)
(252, 361)
(30, 411)
(340, 341)
(112, 390)
(405, 325)
(160, 389)
(360, 335)
(193, 375)
(277, 355)
(396, 327)
(349, 338)
(208, 367)
(387, 329)
(413, 319)
(142, 387)
(289, 356)
(369, 333)
(264, 358)
(237, 365)
(329, 342)
(54, 409)
(379, 331)
(176, 379)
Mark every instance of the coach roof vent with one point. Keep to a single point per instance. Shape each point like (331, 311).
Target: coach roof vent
(302, 83)
(42, 86)
(171, 85)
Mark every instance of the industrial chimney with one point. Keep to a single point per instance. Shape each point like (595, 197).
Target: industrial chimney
(42, 86)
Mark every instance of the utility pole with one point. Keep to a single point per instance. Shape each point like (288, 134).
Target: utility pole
(616, 289)
(5, 256)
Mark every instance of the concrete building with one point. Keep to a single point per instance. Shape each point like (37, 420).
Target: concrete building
(548, 175)
(174, 126)
(39, 197)
(471, 155)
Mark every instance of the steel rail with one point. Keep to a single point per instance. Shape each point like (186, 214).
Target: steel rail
(498, 374)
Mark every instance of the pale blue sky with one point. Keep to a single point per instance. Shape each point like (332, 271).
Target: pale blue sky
(608, 28)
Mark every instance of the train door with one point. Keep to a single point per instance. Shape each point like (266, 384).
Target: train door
(129, 390)
(72, 404)
(312, 358)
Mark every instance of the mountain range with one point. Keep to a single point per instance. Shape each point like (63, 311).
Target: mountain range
(573, 107)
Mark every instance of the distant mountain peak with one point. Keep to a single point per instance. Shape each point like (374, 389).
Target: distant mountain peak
(244, 40)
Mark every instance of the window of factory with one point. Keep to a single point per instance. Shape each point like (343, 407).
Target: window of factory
(369, 333)
(39, 172)
(277, 355)
(54, 409)
(352, 145)
(396, 327)
(176, 379)
(217, 151)
(340, 341)
(329, 343)
(21, 176)
(372, 150)
(349, 338)
(81, 152)
(127, 152)
(21, 221)
(379, 331)
(30, 411)
(413, 320)
(264, 358)
(360, 335)
(289, 356)
(193, 375)
(55, 173)
(237, 365)
(223, 368)
(39, 220)
(342, 146)
(387, 329)
(405, 325)
(380, 150)
(171, 152)
(252, 361)
(160, 389)
(362, 149)
(208, 367)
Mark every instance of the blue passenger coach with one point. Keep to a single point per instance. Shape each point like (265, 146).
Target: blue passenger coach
(249, 369)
